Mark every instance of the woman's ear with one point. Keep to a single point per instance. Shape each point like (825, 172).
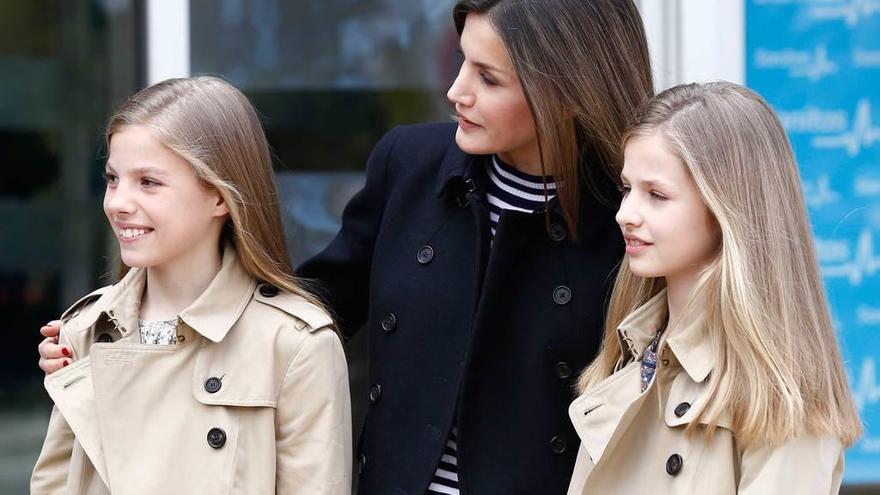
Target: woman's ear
(220, 207)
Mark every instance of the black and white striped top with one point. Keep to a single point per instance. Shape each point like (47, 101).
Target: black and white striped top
(509, 189)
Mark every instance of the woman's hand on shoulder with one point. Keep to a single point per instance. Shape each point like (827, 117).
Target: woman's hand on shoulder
(53, 357)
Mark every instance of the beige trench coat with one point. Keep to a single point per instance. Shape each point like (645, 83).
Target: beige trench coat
(252, 398)
(633, 442)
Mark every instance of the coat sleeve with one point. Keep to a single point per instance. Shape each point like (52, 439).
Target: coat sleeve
(313, 420)
(806, 465)
(342, 270)
(50, 472)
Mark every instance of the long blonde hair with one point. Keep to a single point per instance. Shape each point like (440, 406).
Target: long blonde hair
(778, 368)
(584, 69)
(214, 127)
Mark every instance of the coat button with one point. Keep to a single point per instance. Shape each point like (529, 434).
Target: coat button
(268, 290)
(216, 438)
(105, 337)
(673, 464)
(389, 322)
(557, 232)
(362, 463)
(681, 409)
(213, 384)
(557, 445)
(375, 393)
(426, 254)
(562, 370)
(561, 295)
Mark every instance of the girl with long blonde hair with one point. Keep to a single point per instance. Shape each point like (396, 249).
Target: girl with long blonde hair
(206, 368)
(719, 371)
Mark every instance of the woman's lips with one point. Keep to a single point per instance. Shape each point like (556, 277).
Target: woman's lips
(466, 124)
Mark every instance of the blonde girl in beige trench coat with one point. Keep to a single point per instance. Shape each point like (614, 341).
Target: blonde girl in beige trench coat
(206, 368)
(720, 372)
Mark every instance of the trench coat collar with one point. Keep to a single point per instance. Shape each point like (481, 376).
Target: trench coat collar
(212, 314)
(691, 345)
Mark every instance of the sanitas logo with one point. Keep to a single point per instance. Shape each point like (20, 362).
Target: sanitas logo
(851, 12)
(856, 137)
(799, 63)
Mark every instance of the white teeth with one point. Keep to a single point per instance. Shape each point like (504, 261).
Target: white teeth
(131, 233)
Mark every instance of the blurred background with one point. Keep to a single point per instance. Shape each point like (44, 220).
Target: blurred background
(330, 77)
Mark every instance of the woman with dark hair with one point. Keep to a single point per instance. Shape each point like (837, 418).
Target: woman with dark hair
(480, 254)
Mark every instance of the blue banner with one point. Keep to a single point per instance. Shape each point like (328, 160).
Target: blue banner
(818, 63)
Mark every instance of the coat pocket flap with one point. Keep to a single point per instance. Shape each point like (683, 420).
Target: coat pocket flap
(686, 400)
(225, 383)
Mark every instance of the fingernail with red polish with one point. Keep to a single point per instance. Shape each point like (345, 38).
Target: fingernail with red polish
(66, 362)
(65, 351)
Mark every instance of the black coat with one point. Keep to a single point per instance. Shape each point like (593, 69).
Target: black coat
(496, 336)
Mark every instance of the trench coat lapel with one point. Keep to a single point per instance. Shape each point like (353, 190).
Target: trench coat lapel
(74, 395)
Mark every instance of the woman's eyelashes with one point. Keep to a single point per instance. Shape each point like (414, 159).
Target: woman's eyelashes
(625, 189)
(109, 178)
(487, 80)
(112, 180)
(148, 182)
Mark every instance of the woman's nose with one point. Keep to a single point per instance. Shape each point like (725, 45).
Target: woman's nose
(118, 201)
(627, 214)
(459, 94)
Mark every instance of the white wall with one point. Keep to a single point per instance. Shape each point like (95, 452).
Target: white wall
(695, 40)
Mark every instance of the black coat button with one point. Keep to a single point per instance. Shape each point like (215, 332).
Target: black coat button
(105, 337)
(561, 295)
(213, 384)
(375, 393)
(426, 254)
(562, 370)
(681, 409)
(673, 464)
(389, 322)
(557, 445)
(557, 232)
(362, 463)
(216, 438)
(268, 290)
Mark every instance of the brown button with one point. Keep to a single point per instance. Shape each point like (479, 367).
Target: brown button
(673, 464)
(213, 384)
(216, 438)
(268, 290)
(181, 339)
(681, 409)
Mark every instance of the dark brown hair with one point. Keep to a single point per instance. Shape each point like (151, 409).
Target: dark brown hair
(584, 69)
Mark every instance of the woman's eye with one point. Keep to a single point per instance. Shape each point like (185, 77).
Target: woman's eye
(624, 190)
(658, 196)
(109, 179)
(488, 81)
(147, 182)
